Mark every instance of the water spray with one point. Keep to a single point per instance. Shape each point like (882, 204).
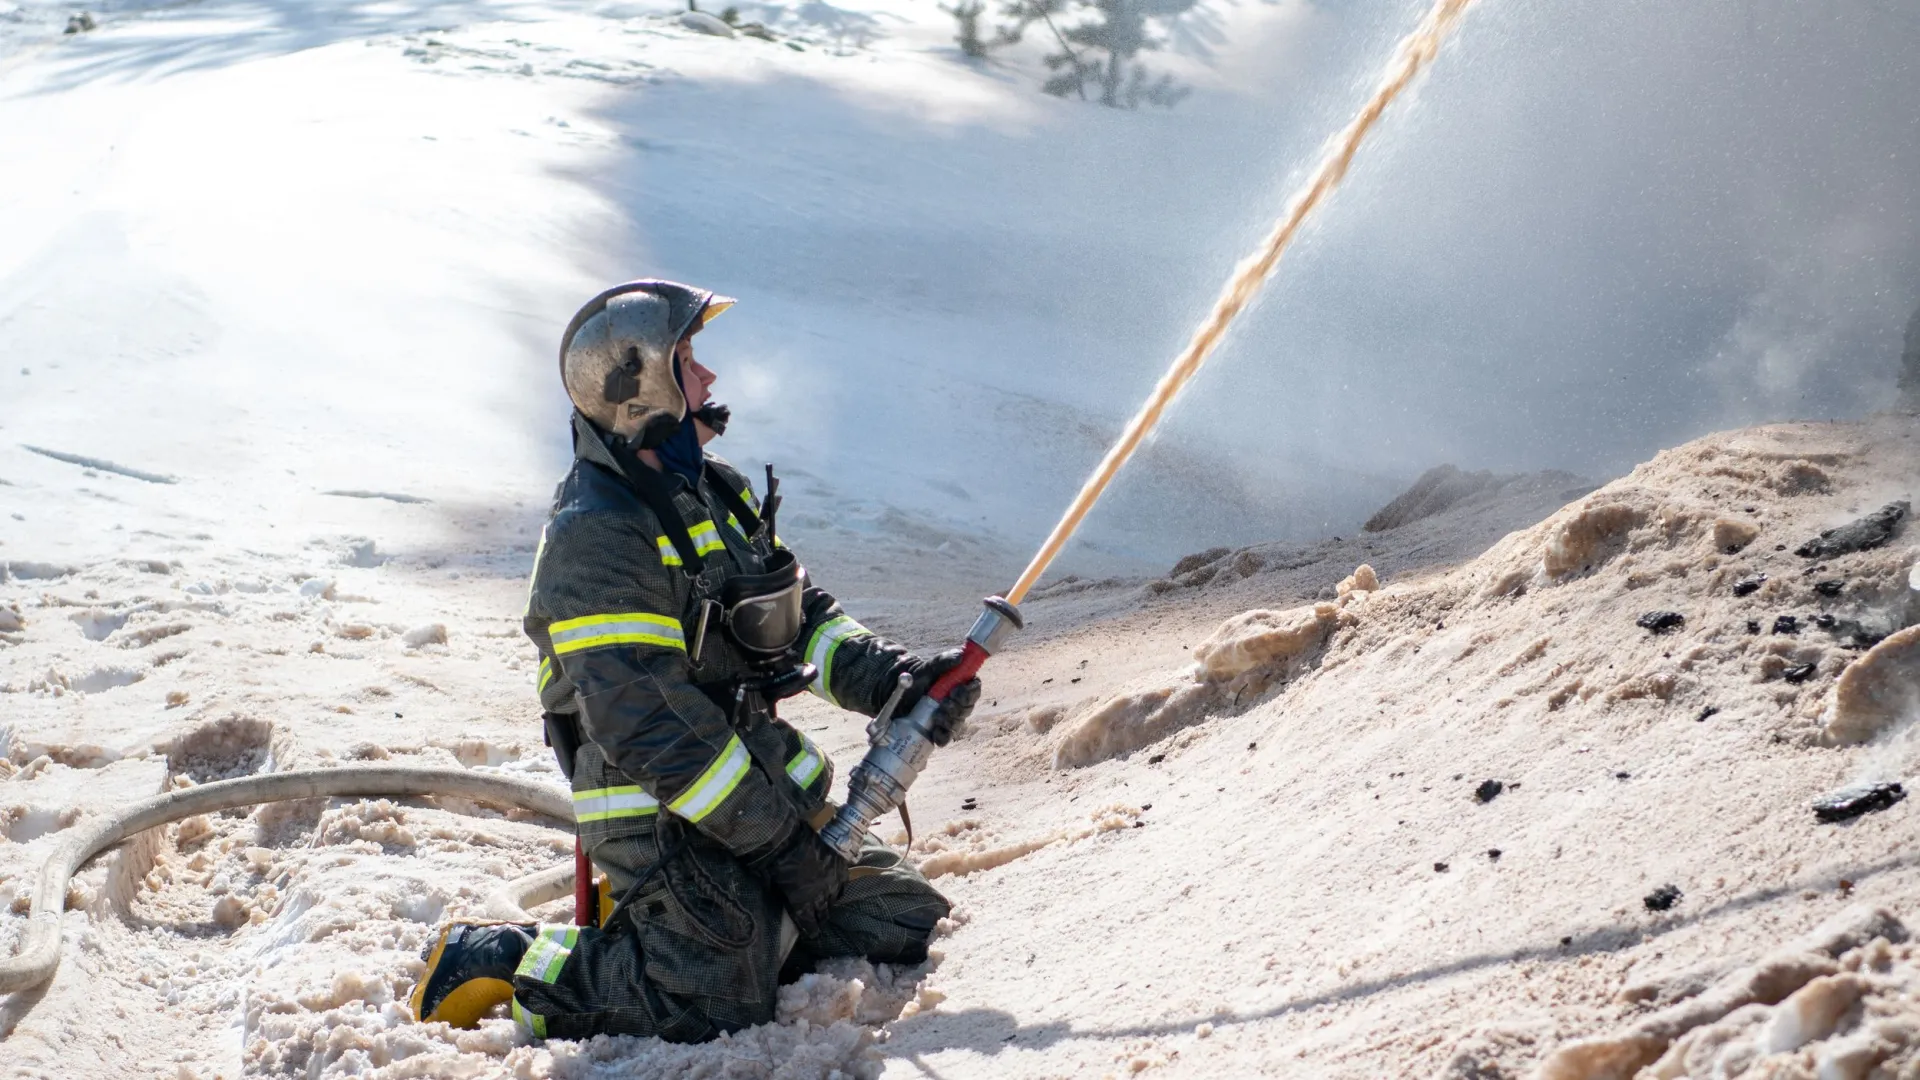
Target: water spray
(899, 749)
(900, 746)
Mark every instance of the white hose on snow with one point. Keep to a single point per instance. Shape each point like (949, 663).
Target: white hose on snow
(39, 951)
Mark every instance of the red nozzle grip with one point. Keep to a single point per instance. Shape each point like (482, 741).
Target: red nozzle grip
(971, 657)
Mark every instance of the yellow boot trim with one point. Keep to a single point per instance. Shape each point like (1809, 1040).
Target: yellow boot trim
(472, 1000)
(419, 995)
(468, 1002)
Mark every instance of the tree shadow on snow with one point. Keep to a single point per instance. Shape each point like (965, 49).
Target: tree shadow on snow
(144, 42)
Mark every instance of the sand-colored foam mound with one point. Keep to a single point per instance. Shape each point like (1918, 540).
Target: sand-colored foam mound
(1246, 656)
(1832, 1005)
(1878, 692)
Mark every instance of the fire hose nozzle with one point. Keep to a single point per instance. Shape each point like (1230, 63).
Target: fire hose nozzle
(879, 783)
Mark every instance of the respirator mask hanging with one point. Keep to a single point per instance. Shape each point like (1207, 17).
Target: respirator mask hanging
(760, 613)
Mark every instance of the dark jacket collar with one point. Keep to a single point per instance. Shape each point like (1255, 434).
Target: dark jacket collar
(590, 445)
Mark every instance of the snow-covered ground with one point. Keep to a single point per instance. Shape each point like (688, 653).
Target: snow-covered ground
(279, 291)
(1176, 844)
(278, 250)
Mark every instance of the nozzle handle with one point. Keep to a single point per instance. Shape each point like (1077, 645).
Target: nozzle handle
(972, 656)
(900, 748)
(982, 641)
(877, 727)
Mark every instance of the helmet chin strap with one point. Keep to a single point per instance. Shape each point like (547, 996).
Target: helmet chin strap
(715, 416)
(655, 432)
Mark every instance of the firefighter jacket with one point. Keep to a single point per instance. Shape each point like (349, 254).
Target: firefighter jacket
(614, 608)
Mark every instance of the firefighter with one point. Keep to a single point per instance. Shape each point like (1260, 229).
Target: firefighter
(670, 620)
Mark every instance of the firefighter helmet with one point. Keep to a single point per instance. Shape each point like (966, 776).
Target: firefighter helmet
(616, 357)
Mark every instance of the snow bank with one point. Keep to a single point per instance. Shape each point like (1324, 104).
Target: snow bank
(1763, 1020)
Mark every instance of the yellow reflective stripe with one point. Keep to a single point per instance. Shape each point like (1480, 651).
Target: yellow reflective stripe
(600, 804)
(669, 555)
(625, 628)
(706, 538)
(545, 677)
(806, 765)
(548, 953)
(539, 549)
(714, 785)
(823, 644)
(532, 1021)
(706, 541)
(753, 501)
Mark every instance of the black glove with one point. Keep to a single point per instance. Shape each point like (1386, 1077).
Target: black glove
(808, 875)
(926, 671)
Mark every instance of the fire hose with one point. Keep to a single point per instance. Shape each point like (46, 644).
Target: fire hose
(39, 952)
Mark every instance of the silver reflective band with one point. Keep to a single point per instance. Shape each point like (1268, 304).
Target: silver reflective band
(622, 628)
(706, 538)
(715, 784)
(548, 953)
(807, 765)
(669, 555)
(600, 804)
(533, 1022)
(821, 647)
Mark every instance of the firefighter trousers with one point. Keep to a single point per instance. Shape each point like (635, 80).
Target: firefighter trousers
(698, 952)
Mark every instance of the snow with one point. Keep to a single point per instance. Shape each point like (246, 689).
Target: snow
(1305, 819)
(279, 300)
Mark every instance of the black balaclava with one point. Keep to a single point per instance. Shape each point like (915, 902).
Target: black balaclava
(680, 454)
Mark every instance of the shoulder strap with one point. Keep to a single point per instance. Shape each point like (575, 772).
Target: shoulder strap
(652, 489)
(735, 503)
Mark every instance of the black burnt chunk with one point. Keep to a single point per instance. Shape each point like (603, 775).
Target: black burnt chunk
(1799, 673)
(1753, 626)
(1829, 588)
(1848, 803)
(1749, 586)
(1864, 535)
(1489, 790)
(1662, 898)
(1786, 624)
(1661, 622)
(1711, 710)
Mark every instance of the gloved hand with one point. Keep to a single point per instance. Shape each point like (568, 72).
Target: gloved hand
(808, 875)
(926, 671)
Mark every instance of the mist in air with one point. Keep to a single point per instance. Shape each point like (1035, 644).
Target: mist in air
(1596, 230)
(1608, 228)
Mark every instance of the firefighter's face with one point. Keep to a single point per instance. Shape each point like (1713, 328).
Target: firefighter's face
(696, 379)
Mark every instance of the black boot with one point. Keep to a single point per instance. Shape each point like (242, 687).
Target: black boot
(469, 971)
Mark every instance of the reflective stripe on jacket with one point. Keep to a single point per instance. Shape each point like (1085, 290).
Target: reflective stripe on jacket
(613, 610)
